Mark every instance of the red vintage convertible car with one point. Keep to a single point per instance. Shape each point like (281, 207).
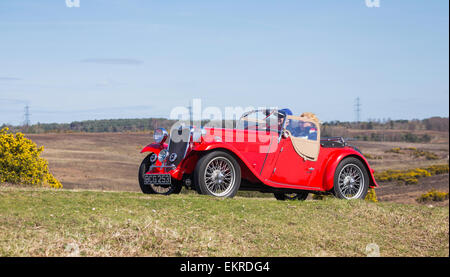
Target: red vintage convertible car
(268, 151)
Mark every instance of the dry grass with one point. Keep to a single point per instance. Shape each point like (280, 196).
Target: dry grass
(44, 222)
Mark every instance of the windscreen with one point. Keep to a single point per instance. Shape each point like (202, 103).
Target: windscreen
(262, 120)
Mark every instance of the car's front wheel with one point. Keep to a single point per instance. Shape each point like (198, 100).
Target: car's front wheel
(292, 196)
(154, 189)
(217, 174)
(351, 179)
(145, 165)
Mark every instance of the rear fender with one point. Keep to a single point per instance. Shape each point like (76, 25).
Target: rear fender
(333, 162)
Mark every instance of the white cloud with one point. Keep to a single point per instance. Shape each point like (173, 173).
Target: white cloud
(113, 61)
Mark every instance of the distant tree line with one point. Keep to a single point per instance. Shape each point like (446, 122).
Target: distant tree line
(371, 130)
(387, 129)
(406, 137)
(430, 124)
(97, 126)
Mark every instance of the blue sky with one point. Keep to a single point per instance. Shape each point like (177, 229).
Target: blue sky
(140, 58)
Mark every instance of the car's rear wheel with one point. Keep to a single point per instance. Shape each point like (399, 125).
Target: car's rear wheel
(153, 189)
(351, 179)
(292, 196)
(217, 174)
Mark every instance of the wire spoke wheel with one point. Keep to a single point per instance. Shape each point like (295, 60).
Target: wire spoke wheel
(160, 189)
(219, 176)
(351, 181)
(152, 189)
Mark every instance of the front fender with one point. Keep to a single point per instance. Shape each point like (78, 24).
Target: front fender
(154, 148)
(214, 145)
(336, 158)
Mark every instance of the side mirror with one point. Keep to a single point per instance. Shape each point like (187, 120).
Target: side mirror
(285, 134)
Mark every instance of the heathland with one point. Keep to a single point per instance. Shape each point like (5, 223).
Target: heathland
(101, 212)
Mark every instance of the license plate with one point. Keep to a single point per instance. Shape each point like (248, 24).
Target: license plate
(157, 179)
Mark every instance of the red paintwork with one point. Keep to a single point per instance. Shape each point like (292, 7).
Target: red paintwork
(292, 172)
(154, 147)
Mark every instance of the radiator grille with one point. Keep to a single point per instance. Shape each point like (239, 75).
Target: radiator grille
(179, 143)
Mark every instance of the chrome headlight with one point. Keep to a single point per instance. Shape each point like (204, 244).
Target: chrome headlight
(163, 155)
(153, 157)
(160, 135)
(173, 157)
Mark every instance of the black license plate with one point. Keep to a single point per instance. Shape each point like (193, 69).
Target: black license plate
(157, 179)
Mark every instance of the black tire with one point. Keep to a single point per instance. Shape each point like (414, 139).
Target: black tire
(292, 196)
(145, 165)
(176, 186)
(357, 173)
(200, 175)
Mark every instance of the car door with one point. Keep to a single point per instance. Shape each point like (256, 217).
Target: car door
(289, 168)
(298, 153)
(256, 137)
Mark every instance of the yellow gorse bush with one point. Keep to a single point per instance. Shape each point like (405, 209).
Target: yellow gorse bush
(372, 157)
(410, 177)
(422, 153)
(20, 162)
(394, 150)
(371, 195)
(417, 153)
(433, 195)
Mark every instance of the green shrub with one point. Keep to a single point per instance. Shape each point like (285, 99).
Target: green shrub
(20, 162)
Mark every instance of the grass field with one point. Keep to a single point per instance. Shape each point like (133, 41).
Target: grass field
(45, 222)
